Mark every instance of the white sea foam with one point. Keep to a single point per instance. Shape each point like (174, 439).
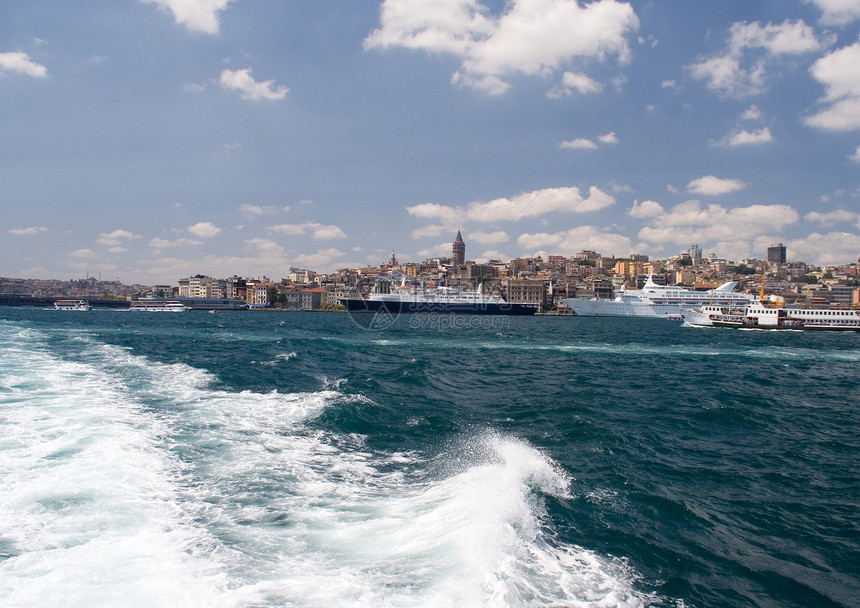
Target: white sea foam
(131, 482)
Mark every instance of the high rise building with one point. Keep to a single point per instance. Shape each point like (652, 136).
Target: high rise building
(459, 250)
(776, 254)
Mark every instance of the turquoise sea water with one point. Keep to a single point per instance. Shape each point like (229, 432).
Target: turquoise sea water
(299, 459)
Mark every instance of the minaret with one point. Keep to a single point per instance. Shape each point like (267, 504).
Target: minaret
(459, 250)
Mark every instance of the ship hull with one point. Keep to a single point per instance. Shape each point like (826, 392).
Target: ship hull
(395, 307)
(612, 308)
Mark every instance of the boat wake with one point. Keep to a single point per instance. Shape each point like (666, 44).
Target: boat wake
(138, 483)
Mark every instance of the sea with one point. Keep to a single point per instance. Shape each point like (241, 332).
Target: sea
(250, 459)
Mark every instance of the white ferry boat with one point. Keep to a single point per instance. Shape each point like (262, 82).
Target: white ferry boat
(441, 300)
(158, 306)
(72, 305)
(661, 301)
(772, 314)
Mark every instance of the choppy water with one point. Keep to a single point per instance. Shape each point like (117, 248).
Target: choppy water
(297, 459)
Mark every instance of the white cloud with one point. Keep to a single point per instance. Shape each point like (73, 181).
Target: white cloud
(83, 254)
(322, 259)
(713, 186)
(196, 15)
(117, 238)
(27, 231)
(159, 243)
(831, 218)
(837, 12)
(743, 137)
(529, 37)
(608, 138)
(204, 230)
(688, 222)
(856, 156)
(486, 238)
(839, 72)
(646, 209)
(579, 144)
(570, 242)
(668, 84)
(241, 80)
(752, 48)
(21, 63)
(527, 204)
(432, 230)
(317, 230)
(752, 113)
(830, 248)
(575, 81)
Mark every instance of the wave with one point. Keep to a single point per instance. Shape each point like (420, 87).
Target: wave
(137, 482)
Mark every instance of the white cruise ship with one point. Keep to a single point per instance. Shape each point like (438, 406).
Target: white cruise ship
(660, 301)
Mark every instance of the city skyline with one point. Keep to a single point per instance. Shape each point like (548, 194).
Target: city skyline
(156, 139)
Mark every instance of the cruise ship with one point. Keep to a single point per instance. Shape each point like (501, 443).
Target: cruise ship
(661, 301)
(441, 300)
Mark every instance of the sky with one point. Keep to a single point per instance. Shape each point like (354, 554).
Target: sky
(150, 140)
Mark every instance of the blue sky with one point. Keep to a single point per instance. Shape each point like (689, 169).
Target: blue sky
(149, 140)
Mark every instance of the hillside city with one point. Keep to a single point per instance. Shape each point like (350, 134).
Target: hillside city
(533, 280)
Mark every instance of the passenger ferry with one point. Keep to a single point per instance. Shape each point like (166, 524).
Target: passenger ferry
(771, 314)
(158, 306)
(662, 301)
(72, 305)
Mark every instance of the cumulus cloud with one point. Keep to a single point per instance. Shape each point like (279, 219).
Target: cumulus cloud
(856, 156)
(570, 242)
(204, 230)
(196, 15)
(21, 63)
(527, 204)
(83, 254)
(751, 113)
(324, 258)
(713, 186)
(742, 137)
(117, 239)
(432, 230)
(830, 248)
(689, 222)
(839, 72)
(250, 89)
(837, 12)
(159, 243)
(528, 37)
(752, 48)
(646, 209)
(575, 82)
(485, 238)
(608, 138)
(579, 144)
(831, 218)
(27, 231)
(316, 230)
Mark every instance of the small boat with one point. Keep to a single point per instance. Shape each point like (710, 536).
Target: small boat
(158, 306)
(72, 305)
